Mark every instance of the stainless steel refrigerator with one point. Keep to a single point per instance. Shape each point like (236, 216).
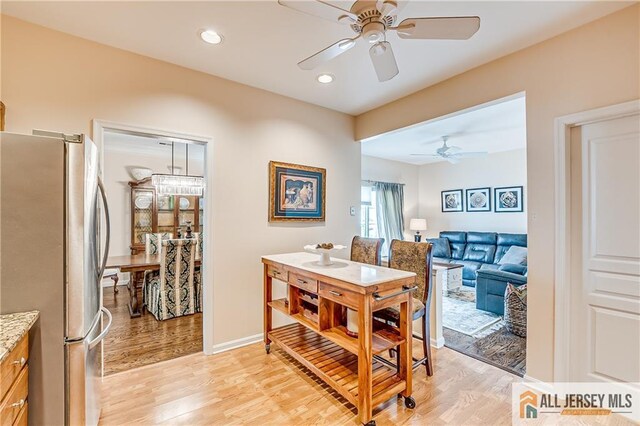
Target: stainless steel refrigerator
(54, 237)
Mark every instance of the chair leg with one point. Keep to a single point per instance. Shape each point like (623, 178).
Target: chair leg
(115, 279)
(426, 346)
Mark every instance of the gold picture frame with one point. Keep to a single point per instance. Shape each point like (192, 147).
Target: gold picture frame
(2, 110)
(297, 193)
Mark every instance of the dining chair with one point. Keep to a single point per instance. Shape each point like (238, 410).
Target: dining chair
(198, 236)
(152, 241)
(113, 274)
(367, 250)
(414, 257)
(170, 292)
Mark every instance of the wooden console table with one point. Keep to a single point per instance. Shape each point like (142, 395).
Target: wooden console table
(317, 300)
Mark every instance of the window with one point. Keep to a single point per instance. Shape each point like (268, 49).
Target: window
(368, 222)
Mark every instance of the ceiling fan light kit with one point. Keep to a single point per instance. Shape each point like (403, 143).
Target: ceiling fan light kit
(370, 20)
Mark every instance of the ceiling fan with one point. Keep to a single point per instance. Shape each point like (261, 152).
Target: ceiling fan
(370, 20)
(452, 154)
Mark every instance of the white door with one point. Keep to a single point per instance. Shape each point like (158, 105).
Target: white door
(605, 308)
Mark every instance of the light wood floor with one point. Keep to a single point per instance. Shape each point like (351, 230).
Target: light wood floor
(135, 342)
(246, 386)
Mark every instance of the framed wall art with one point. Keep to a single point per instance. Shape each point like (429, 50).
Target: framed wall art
(509, 199)
(478, 199)
(452, 201)
(296, 192)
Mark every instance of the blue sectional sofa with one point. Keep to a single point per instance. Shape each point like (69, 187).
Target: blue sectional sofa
(481, 253)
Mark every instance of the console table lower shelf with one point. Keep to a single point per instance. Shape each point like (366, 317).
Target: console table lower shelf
(334, 365)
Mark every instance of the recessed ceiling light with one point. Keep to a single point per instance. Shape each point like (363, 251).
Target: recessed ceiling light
(325, 78)
(210, 36)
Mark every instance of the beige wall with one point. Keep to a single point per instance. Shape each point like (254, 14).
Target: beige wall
(382, 170)
(55, 81)
(589, 67)
(507, 168)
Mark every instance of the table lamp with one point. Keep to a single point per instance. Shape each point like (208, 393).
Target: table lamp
(418, 225)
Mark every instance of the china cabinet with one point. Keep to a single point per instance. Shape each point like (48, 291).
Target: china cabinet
(151, 212)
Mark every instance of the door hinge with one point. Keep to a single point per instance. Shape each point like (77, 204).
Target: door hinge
(69, 138)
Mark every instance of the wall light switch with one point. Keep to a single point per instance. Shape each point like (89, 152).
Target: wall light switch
(352, 211)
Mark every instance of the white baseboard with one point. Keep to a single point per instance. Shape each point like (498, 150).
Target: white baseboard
(537, 384)
(109, 283)
(249, 340)
(238, 343)
(530, 379)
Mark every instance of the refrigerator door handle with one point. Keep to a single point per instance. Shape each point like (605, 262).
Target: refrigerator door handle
(104, 331)
(108, 229)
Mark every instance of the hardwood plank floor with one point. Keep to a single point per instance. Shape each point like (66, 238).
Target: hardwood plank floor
(246, 386)
(136, 342)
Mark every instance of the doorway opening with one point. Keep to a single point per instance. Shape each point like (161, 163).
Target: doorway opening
(464, 182)
(154, 283)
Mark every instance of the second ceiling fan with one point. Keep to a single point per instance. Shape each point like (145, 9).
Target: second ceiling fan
(370, 20)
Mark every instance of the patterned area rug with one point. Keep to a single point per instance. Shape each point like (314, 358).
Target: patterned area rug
(500, 348)
(493, 344)
(464, 293)
(463, 317)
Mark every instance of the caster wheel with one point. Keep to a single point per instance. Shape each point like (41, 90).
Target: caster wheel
(371, 423)
(409, 402)
(267, 348)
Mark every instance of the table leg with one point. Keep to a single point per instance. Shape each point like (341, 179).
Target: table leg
(405, 349)
(365, 361)
(135, 282)
(267, 309)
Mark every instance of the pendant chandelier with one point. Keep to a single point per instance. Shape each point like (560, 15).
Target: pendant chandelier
(172, 184)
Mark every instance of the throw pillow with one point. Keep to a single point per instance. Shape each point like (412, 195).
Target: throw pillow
(441, 247)
(515, 309)
(516, 255)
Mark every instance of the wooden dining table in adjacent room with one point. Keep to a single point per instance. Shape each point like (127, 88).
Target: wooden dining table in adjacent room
(136, 264)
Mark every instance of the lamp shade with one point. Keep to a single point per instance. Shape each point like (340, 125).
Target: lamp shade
(418, 225)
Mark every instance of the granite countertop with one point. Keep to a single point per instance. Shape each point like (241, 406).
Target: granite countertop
(12, 328)
(344, 270)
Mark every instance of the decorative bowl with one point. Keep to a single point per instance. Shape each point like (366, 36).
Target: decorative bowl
(325, 254)
(140, 173)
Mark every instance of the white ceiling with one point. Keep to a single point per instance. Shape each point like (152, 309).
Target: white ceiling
(153, 147)
(494, 128)
(263, 41)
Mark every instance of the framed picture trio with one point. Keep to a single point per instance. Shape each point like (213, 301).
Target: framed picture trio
(507, 199)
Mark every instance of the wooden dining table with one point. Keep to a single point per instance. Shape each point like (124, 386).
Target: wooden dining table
(136, 264)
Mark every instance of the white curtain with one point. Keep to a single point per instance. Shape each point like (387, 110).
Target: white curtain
(389, 212)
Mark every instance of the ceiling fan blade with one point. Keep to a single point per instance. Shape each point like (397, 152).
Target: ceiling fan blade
(383, 60)
(391, 7)
(320, 9)
(470, 154)
(327, 54)
(453, 28)
(426, 155)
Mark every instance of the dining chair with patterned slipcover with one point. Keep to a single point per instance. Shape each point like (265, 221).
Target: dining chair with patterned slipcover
(367, 250)
(417, 258)
(152, 241)
(171, 291)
